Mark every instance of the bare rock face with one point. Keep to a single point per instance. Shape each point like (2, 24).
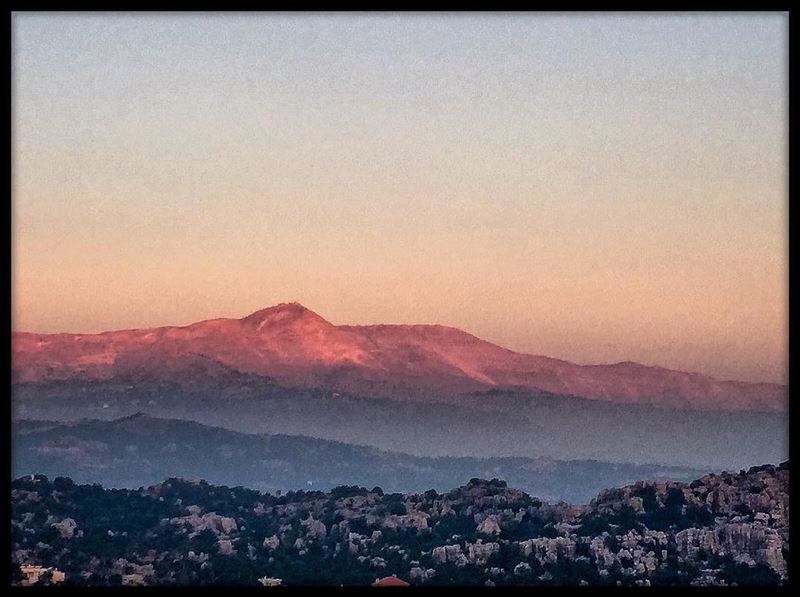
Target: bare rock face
(421, 575)
(601, 554)
(225, 547)
(762, 544)
(447, 553)
(548, 550)
(66, 528)
(748, 543)
(272, 542)
(690, 541)
(219, 525)
(489, 526)
(415, 520)
(479, 552)
(315, 529)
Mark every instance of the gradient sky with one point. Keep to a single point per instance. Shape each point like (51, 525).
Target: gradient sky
(591, 187)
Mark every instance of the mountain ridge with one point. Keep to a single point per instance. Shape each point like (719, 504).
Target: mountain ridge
(299, 348)
(140, 448)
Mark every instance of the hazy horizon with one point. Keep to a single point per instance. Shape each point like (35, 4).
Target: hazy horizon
(595, 188)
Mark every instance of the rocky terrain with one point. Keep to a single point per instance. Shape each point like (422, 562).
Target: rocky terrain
(722, 529)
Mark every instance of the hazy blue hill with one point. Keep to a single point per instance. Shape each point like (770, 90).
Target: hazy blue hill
(491, 424)
(138, 450)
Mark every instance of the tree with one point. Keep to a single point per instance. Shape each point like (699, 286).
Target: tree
(46, 578)
(16, 574)
(205, 541)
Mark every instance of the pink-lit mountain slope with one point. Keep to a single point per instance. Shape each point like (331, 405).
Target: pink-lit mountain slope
(297, 347)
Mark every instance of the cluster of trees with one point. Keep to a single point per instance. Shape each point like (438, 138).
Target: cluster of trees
(114, 524)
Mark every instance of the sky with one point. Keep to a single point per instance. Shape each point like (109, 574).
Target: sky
(598, 188)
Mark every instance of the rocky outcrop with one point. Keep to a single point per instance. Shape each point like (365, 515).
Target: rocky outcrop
(728, 528)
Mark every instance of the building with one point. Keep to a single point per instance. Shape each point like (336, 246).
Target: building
(34, 573)
(390, 581)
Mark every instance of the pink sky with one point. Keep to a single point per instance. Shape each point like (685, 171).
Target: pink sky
(596, 189)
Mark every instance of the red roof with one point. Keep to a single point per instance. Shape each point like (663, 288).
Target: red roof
(390, 581)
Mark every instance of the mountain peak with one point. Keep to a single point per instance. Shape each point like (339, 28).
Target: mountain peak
(283, 313)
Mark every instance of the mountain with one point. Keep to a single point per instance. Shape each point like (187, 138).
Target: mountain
(484, 424)
(140, 450)
(720, 529)
(295, 347)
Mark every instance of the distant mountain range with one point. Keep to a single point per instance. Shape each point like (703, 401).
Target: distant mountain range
(296, 348)
(484, 424)
(140, 450)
